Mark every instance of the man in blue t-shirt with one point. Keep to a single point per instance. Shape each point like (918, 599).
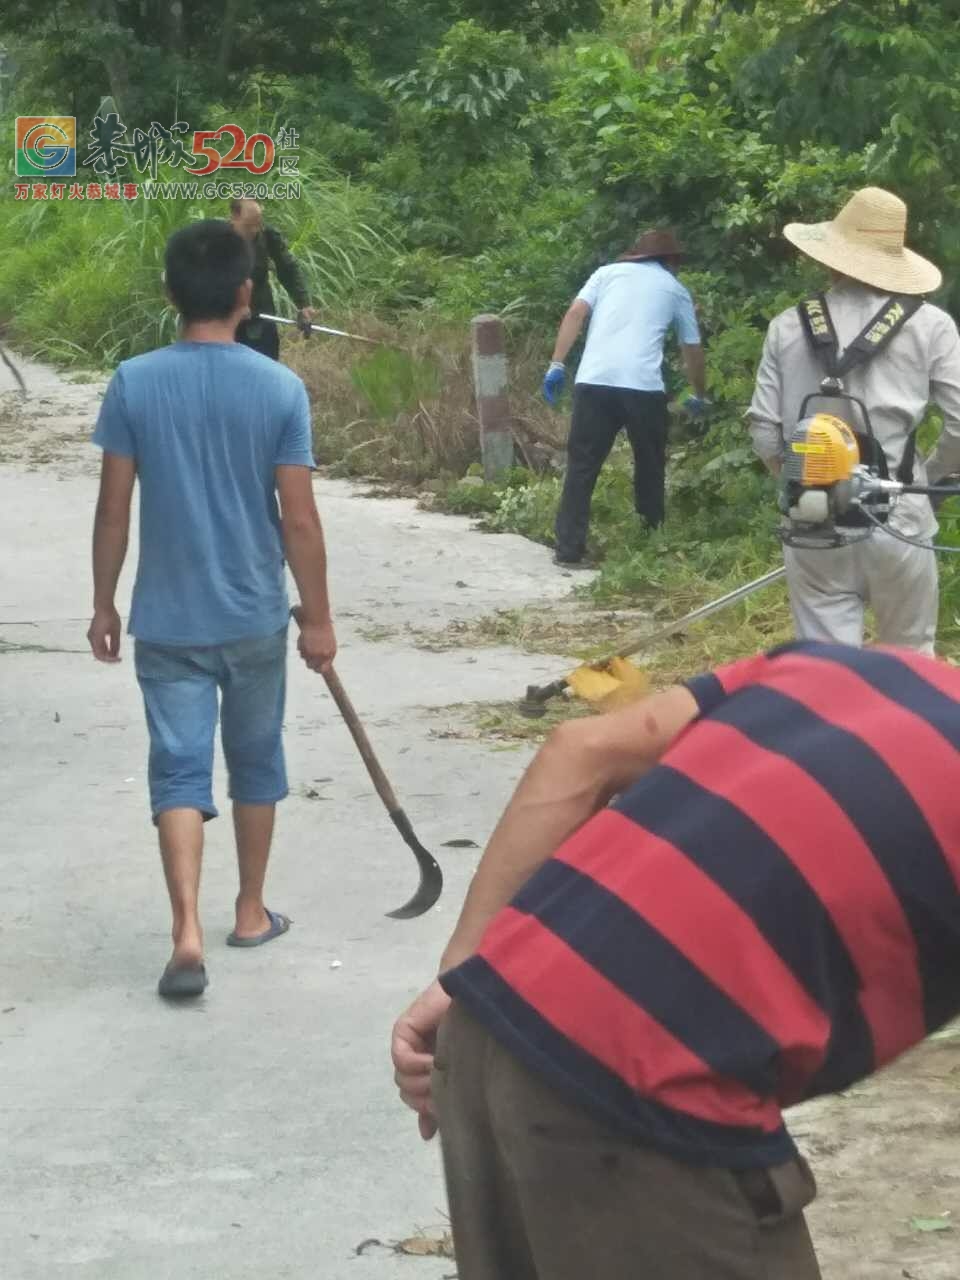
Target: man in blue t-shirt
(215, 433)
(631, 306)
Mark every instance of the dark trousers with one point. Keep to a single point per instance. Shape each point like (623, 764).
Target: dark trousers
(540, 1190)
(599, 414)
(260, 335)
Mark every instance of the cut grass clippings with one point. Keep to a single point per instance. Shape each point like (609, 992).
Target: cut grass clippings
(421, 1245)
(425, 1246)
(706, 645)
(575, 629)
(757, 623)
(503, 722)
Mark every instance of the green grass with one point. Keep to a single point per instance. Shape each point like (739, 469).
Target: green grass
(80, 282)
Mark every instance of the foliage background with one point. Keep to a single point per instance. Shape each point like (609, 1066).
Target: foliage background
(471, 155)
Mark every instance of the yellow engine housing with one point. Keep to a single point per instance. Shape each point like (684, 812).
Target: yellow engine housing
(819, 483)
(822, 452)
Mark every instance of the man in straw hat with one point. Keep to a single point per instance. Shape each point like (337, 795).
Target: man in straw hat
(864, 249)
(631, 305)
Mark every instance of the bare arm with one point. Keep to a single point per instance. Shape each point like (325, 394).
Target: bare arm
(574, 775)
(111, 533)
(307, 556)
(570, 329)
(695, 364)
(584, 764)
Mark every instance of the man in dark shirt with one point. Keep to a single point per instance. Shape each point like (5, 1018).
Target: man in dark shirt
(768, 911)
(268, 245)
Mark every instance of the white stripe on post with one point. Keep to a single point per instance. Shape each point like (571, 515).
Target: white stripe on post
(491, 377)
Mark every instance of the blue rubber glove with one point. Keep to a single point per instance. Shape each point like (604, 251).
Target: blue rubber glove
(553, 381)
(696, 407)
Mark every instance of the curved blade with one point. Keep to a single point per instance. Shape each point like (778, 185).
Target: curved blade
(322, 328)
(431, 877)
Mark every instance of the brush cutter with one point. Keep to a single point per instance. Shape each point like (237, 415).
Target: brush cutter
(322, 328)
(431, 877)
(615, 681)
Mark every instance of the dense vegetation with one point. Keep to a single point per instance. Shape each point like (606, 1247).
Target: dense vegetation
(470, 155)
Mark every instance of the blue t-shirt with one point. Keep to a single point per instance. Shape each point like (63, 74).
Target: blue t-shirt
(633, 306)
(207, 423)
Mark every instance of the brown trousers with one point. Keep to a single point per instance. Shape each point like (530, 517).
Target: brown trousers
(540, 1190)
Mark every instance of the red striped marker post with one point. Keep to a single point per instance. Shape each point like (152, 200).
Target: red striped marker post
(491, 380)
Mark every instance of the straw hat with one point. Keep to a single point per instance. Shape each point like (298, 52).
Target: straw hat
(865, 242)
(653, 244)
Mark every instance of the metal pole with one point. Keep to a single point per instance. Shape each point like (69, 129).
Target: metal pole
(640, 643)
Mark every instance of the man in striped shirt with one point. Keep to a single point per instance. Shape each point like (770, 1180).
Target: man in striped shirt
(769, 910)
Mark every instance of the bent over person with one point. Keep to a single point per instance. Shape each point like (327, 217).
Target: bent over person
(268, 246)
(768, 911)
(917, 363)
(214, 435)
(631, 305)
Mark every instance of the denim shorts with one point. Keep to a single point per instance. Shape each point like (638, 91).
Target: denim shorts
(180, 692)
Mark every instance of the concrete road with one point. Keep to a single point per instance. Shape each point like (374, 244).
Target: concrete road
(256, 1133)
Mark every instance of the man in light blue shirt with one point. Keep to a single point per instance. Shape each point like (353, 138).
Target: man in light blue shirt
(631, 305)
(215, 433)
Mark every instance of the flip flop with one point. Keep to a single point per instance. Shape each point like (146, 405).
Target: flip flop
(278, 924)
(183, 983)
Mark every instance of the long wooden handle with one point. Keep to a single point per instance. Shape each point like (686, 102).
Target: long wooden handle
(357, 731)
(350, 718)
(431, 876)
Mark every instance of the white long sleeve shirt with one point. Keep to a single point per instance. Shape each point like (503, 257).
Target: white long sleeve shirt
(920, 366)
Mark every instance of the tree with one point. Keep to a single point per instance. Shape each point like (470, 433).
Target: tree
(160, 57)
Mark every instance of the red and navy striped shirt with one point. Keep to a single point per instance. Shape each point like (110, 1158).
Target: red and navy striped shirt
(770, 914)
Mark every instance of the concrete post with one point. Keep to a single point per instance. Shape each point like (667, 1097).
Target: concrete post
(490, 381)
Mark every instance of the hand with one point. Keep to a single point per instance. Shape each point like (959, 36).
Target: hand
(697, 406)
(412, 1047)
(553, 381)
(305, 317)
(104, 635)
(317, 645)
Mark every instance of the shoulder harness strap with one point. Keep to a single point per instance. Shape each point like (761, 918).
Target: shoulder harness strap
(878, 333)
(818, 326)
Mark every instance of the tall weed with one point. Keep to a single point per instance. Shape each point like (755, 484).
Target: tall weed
(81, 281)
